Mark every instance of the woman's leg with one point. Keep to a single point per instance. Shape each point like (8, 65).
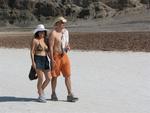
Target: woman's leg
(39, 82)
(47, 79)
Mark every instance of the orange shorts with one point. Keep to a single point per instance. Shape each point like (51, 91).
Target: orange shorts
(62, 65)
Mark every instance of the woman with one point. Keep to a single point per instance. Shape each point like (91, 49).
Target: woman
(40, 61)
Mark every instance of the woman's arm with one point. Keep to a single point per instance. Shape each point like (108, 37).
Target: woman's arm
(32, 52)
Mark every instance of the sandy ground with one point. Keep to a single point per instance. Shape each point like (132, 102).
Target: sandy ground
(127, 21)
(105, 82)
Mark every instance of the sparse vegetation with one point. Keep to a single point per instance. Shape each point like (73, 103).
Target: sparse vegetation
(105, 41)
(19, 12)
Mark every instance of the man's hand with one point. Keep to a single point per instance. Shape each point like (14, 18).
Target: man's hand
(67, 48)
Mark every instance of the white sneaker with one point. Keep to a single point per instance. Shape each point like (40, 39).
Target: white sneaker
(42, 99)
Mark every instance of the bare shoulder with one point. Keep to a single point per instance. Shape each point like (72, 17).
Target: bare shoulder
(52, 34)
(53, 31)
(34, 40)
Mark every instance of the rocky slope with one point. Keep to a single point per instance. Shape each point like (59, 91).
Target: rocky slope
(29, 12)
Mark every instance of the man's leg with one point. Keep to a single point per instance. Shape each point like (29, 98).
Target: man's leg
(66, 73)
(68, 85)
(55, 73)
(70, 97)
(53, 86)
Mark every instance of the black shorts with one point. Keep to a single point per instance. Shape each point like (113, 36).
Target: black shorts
(42, 62)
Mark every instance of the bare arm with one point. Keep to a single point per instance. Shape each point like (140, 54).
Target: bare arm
(51, 46)
(32, 52)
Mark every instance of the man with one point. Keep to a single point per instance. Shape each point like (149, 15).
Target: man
(59, 45)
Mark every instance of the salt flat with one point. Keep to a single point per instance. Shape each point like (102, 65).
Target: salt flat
(105, 82)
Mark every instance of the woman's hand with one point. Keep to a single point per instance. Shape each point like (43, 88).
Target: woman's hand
(53, 64)
(34, 65)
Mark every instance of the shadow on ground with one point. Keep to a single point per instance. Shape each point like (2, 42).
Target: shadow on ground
(16, 99)
(22, 99)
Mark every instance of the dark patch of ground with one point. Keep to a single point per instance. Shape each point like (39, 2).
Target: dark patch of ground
(105, 41)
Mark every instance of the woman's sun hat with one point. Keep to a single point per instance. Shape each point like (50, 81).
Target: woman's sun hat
(60, 19)
(40, 27)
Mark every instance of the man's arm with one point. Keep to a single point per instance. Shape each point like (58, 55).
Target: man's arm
(51, 46)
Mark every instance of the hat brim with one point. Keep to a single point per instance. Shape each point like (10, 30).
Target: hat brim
(38, 30)
(57, 20)
(64, 20)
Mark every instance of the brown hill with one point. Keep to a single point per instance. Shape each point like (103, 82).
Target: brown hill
(30, 12)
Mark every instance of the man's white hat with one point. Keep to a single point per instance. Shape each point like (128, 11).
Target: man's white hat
(39, 27)
(60, 19)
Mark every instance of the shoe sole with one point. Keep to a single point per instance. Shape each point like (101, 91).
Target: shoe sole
(54, 99)
(41, 101)
(74, 100)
